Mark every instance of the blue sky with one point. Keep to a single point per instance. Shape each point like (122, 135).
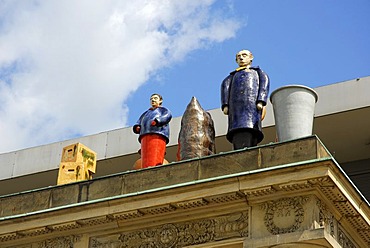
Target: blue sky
(74, 68)
(313, 43)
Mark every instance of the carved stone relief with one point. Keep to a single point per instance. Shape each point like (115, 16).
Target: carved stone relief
(326, 219)
(299, 245)
(60, 242)
(284, 215)
(179, 234)
(22, 246)
(344, 241)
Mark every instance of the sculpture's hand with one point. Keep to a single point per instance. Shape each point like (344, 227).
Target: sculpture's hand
(137, 129)
(226, 110)
(259, 106)
(263, 113)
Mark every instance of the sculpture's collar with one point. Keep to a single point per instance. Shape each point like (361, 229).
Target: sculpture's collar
(240, 68)
(256, 68)
(245, 67)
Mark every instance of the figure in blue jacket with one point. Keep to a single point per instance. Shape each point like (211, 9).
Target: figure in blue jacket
(243, 96)
(153, 129)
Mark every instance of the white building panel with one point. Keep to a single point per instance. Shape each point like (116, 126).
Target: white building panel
(97, 143)
(36, 159)
(121, 141)
(343, 96)
(7, 162)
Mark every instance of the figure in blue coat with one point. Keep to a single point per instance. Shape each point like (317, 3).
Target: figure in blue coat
(153, 129)
(243, 96)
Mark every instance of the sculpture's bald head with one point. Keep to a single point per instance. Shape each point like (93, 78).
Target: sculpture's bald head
(244, 58)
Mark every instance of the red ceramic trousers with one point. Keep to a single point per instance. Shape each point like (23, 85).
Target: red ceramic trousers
(153, 149)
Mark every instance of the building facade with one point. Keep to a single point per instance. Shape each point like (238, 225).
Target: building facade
(308, 192)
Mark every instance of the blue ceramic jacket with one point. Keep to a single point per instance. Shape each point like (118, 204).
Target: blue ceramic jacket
(161, 115)
(240, 92)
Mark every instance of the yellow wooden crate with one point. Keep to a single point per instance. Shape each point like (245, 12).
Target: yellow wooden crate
(80, 153)
(72, 172)
(78, 163)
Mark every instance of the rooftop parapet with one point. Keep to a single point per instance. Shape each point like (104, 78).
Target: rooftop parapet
(226, 164)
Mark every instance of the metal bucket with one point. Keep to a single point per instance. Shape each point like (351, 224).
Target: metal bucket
(294, 107)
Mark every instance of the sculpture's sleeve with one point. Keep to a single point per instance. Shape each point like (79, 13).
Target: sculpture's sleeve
(264, 87)
(164, 117)
(138, 123)
(225, 92)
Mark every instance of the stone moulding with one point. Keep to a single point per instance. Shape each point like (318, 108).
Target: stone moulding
(264, 191)
(192, 203)
(35, 231)
(127, 215)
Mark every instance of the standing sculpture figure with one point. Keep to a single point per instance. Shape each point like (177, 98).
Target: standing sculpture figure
(153, 129)
(243, 96)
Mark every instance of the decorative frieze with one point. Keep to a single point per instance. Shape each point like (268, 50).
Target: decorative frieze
(179, 234)
(326, 219)
(235, 225)
(155, 210)
(60, 242)
(284, 215)
(22, 246)
(344, 241)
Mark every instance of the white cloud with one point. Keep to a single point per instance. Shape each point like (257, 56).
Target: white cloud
(67, 67)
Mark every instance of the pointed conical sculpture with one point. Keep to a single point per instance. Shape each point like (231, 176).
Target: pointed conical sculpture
(197, 133)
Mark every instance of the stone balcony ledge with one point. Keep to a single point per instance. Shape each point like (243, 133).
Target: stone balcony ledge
(155, 178)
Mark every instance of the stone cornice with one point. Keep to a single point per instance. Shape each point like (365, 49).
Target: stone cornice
(225, 203)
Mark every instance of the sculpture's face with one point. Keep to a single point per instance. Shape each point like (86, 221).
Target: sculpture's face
(155, 101)
(244, 58)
